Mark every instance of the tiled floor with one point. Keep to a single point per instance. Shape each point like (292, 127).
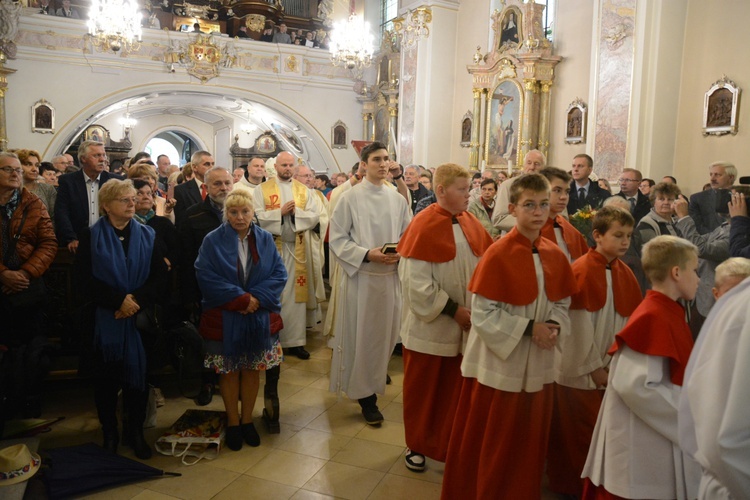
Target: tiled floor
(325, 449)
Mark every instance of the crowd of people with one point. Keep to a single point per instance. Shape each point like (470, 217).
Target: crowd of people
(532, 344)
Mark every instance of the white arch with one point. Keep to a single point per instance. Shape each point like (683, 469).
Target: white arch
(91, 113)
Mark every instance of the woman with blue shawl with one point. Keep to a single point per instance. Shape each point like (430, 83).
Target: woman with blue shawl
(241, 277)
(121, 271)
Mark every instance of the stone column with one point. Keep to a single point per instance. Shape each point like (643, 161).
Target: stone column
(366, 126)
(4, 72)
(474, 144)
(544, 111)
(531, 88)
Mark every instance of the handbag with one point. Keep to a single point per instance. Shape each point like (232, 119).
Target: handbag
(197, 433)
(36, 292)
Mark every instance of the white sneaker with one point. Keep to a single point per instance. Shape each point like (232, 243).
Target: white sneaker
(159, 397)
(414, 461)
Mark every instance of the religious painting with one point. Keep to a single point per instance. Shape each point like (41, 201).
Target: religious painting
(381, 125)
(339, 133)
(510, 29)
(95, 133)
(503, 125)
(266, 143)
(466, 124)
(721, 108)
(42, 117)
(575, 125)
(288, 137)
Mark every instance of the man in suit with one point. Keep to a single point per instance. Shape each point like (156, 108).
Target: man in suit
(194, 191)
(582, 191)
(703, 204)
(77, 204)
(630, 182)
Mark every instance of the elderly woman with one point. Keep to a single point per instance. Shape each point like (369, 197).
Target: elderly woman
(121, 270)
(166, 233)
(27, 248)
(49, 173)
(30, 160)
(241, 276)
(147, 172)
(659, 220)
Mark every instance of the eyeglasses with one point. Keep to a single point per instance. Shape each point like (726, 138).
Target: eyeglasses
(531, 207)
(628, 180)
(10, 170)
(127, 201)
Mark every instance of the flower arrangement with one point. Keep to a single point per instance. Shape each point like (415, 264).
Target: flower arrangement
(583, 219)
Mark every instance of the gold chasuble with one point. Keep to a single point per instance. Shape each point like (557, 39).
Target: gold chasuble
(272, 201)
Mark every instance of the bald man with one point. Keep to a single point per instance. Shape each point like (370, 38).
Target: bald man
(288, 209)
(534, 161)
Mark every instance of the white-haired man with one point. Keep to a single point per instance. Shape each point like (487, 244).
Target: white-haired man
(703, 204)
(534, 161)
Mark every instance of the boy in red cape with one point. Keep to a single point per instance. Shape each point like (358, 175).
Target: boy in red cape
(558, 229)
(635, 450)
(522, 288)
(439, 251)
(608, 293)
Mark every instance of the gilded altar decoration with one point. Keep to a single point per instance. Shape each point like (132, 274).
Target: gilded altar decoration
(466, 124)
(265, 143)
(721, 106)
(504, 112)
(291, 64)
(575, 124)
(204, 56)
(42, 117)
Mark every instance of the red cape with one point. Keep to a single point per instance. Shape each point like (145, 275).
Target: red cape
(429, 236)
(591, 275)
(506, 272)
(573, 239)
(658, 328)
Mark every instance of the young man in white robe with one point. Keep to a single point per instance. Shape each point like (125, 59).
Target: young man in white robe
(714, 410)
(287, 209)
(368, 302)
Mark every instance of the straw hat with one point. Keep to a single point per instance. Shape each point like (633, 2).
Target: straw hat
(17, 464)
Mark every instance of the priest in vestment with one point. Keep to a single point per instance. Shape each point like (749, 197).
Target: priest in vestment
(439, 251)
(288, 209)
(368, 302)
(314, 248)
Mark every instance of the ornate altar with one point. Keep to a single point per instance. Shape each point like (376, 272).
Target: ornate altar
(511, 86)
(380, 101)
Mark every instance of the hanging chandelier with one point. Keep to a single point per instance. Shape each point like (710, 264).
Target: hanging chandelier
(351, 43)
(248, 126)
(115, 25)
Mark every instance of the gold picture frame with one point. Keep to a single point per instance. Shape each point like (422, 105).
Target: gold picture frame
(502, 138)
(721, 108)
(339, 135)
(96, 133)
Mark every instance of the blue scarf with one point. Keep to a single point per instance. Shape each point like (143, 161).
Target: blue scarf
(118, 339)
(220, 278)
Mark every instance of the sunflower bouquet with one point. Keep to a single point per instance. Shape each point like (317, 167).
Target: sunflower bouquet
(583, 220)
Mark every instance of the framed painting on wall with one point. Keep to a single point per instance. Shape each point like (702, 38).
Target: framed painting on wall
(96, 133)
(575, 122)
(503, 124)
(42, 117)
(339, 133)
(466, 124)
(721, 106)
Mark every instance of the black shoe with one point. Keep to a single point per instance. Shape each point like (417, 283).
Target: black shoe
(139, 445)
(372, 416)
(271, 412)
(300, 352)
(234, 438)
(387, 379)
(206, 395)
(111, 440)
(398, 351)
(250, 434)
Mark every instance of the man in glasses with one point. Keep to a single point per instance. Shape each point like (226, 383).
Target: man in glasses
(630, 181)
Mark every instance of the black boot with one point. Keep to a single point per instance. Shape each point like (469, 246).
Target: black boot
(370, 410)
(271, 399)
(111, 439)
(138, 443)
(134, 406)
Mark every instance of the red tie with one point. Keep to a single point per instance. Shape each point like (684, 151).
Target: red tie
(204, 191)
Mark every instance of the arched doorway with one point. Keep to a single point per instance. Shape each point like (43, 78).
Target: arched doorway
(178, 146)
(212, 116)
